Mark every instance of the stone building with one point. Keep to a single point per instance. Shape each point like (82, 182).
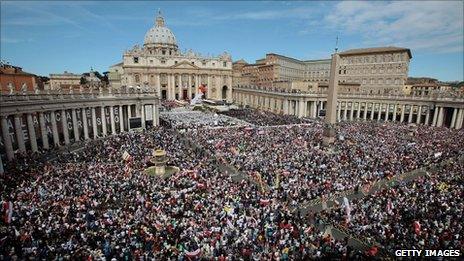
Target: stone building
(376, 70)
(14, 79)
(64, 80)
(160, 65)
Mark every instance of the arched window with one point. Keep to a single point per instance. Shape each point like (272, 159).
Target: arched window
(137, 78)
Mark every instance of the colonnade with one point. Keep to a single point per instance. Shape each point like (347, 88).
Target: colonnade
(43, 129)
(306, 105)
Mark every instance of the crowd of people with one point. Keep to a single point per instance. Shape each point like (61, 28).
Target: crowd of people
(263, 118)
(291, 161)
(97, 202)
(426, 213)
(91, 204)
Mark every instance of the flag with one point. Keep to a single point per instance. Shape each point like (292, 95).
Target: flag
(417, 227)
(346, 205)
(126, 156)
(389, 207)
(193, 254)
(8, 211)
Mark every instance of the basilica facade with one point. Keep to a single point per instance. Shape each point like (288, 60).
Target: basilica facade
(174, 75)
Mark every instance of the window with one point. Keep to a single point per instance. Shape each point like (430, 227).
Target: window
(136, 59)
(214, 64)
(193, 63)
(163, 61)
(151, 61)
(137, 78)
(163, 52)
(203, 63)
(224, 64)
(175, 62)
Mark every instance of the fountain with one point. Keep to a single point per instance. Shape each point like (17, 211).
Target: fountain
(158, 166)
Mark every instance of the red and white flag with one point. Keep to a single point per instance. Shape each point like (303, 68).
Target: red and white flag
(8, 211)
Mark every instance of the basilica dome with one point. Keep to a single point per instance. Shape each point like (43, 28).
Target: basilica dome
(160, 35)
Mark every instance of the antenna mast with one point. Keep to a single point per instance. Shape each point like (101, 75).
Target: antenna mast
(336, 45)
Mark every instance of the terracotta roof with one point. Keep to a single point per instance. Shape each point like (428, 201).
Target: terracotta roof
(376, 50)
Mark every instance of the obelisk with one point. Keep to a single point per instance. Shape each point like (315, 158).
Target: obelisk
(331, 113)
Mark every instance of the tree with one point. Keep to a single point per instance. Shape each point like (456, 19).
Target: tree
(83, 81)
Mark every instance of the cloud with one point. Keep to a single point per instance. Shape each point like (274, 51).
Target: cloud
(297, 13)
(428, 25)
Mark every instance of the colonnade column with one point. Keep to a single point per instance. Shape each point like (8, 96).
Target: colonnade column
(7, 139)
(358, 111)
(121, 119)
(379, 115)
(31, 129)
(460, 119)
(301, 108)
(395, 109)
(64, 125)
(427, 116)
(435, 116)
(372, 111)
(351, 111)
(19, 133)
(339, 111)
(454, 117)
(387, 111)
(84, 124)
(94, 123)
(411, 111)
(56, 138)
(314, 109)
(113, 124)
(103, 119)
(403, 108)
(440, 117)
(419, 114)
(345, 111)
(365, 111)
(74, 121)
(286, 107)
(208, 86)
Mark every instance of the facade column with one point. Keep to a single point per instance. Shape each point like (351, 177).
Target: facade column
(143, 117)
(395, 110)
(411, 111)
(43, 131)
(208, 86)
(94, 123)
(113, 124)
(419, 114)
(75, 128)
(365, 111)
(229, 89)
(103, 119)
(19, 133)
(158, 84)
(372, 111)
(84, 124)
(56, 138)
(358, 111)
(181, 88)
(7, 139)
(64, 125)
(427, 115)
(121, 119)
(189, 90)
(403, 109)
(453, 118)
(31, 129)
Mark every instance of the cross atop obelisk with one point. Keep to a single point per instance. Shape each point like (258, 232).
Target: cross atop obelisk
(330, 116)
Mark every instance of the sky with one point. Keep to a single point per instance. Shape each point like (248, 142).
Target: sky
(51, 37)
